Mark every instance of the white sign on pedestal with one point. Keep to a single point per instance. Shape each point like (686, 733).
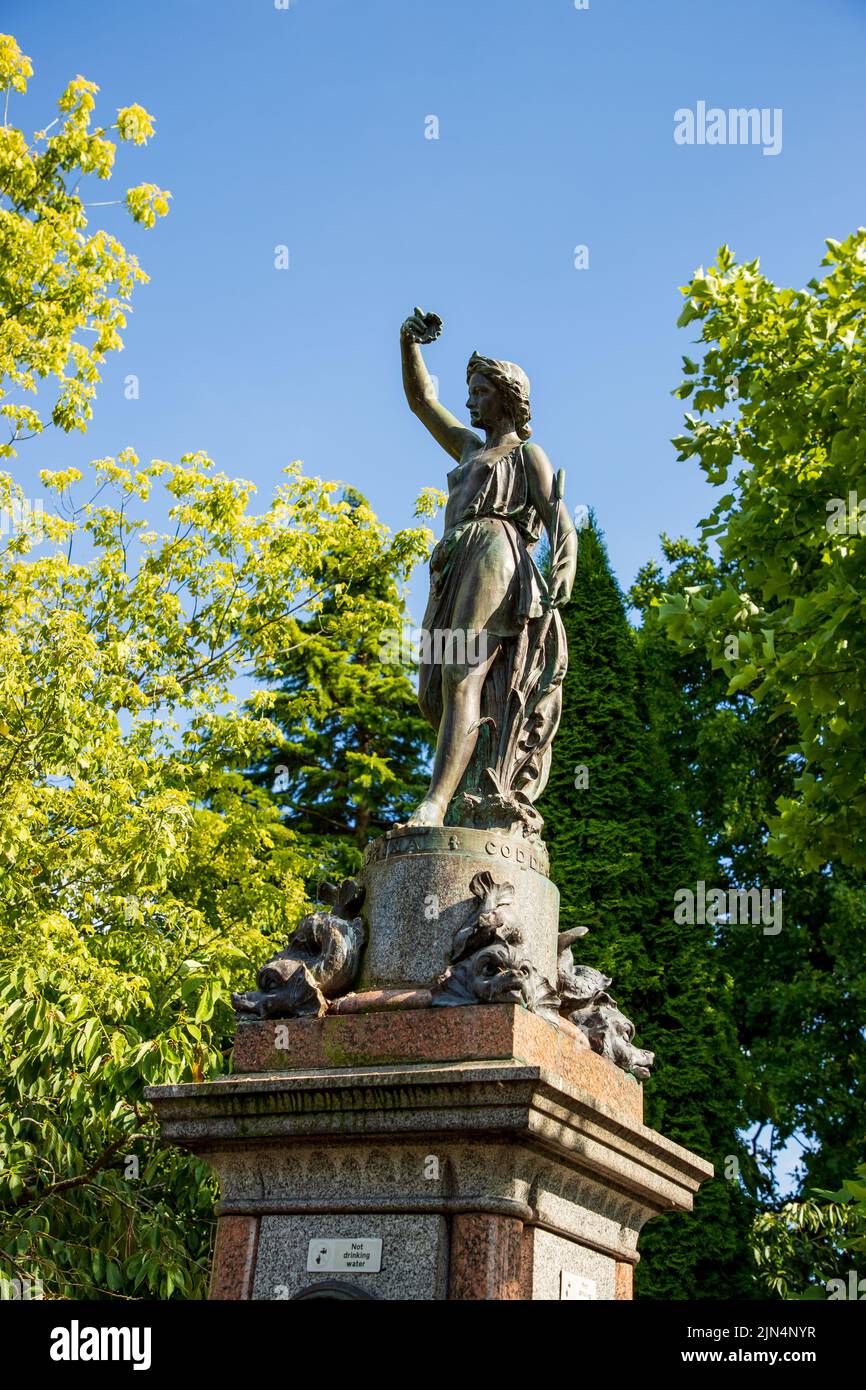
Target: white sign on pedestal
(364, 1256)
(576, 1286)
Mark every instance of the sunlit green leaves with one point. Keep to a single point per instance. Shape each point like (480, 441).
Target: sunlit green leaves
(806, 1244)
(15, 66)
(778, 410)
(65, 289)
(142, 875)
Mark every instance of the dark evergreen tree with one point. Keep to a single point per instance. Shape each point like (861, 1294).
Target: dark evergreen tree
(621, 843)
(355, 749)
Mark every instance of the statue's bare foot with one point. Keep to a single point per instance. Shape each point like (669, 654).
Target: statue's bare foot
(430, 812)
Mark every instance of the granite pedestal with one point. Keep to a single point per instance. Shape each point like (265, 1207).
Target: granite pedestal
(492, 1154)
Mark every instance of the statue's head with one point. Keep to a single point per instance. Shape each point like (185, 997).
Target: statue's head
(498, 394)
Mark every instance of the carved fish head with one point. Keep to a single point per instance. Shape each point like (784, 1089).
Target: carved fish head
(582, 985)
(489, 893)
(610, 1034)
(500, 977)
(329, 947)
(286, 989)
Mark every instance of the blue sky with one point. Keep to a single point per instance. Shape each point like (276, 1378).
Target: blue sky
(306, 127)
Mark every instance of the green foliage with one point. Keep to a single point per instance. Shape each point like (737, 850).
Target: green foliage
(91, 1205)
(64, 288)
(142, 876)
(805, 1246)
(350, 762)
(790, 365)
(620, 847)
(798, 997)
(768, 735)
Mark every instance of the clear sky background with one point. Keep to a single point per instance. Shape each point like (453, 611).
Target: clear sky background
(306, 127)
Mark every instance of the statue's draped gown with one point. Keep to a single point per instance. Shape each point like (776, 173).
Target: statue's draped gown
(488, 552)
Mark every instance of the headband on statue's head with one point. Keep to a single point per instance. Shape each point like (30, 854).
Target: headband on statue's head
(511, 382)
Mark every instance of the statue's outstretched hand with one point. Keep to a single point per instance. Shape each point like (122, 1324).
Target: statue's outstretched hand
(421, 328)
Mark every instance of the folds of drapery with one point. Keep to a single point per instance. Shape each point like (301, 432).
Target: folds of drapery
(521, 699)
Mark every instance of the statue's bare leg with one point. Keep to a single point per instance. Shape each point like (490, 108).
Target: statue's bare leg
(458, 735)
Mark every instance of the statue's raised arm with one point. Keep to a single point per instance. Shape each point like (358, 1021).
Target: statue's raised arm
(445, 428)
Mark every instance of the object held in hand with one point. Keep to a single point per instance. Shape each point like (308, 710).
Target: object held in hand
(424, 328)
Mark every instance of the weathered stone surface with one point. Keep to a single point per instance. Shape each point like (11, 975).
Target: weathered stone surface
(417, 881)
(480, 1032)
(499, 851)
(414, 1254)
(550, 1256)
(430, 1142)
(462, 1098)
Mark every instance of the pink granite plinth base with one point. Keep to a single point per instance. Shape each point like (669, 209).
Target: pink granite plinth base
(234, 1257)
(486, 1256)
(486, 1032)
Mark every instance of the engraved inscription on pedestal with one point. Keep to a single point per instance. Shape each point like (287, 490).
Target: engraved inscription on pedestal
(502, 850)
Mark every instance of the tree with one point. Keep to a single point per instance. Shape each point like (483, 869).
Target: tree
(778, 406)
(59, 280)
(799, 995)
(621, 844)
(351, 758)
(143, 877)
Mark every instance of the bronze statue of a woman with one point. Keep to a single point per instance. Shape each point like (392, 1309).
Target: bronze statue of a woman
(493, 689)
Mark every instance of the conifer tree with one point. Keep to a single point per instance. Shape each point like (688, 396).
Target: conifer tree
(355, 749)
